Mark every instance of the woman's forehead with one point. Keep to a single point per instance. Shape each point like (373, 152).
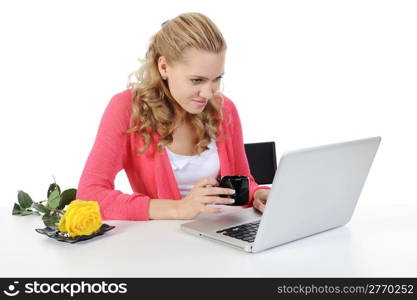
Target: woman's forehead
(199, 61)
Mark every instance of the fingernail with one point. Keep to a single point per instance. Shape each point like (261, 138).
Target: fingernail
(231, 200)
(232, 191)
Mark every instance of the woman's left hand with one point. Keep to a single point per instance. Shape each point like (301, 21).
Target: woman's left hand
(260, 198)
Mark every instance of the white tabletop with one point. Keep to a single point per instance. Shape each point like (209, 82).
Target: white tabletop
(377, 242)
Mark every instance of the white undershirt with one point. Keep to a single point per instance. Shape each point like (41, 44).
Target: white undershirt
(189, 169)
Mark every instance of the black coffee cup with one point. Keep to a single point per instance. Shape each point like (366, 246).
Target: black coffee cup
(238, 183)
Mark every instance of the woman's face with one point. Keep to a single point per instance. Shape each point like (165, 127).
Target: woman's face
(193, 82)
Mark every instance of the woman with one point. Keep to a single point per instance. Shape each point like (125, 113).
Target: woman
(172, 131)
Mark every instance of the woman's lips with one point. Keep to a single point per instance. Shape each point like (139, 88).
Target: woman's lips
(200, 102)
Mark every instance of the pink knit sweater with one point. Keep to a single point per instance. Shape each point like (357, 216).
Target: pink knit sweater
(150, 174)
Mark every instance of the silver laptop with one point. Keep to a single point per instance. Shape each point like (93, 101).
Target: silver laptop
(314, 190)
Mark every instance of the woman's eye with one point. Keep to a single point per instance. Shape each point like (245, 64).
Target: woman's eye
(196, 81)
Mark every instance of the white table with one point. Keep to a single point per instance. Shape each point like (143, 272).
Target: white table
(378, 242)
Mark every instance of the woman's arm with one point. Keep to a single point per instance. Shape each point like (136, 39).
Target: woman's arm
(106, 159)
(163, 209)
(198, 200)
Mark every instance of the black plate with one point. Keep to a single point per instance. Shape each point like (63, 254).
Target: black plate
(53, 232)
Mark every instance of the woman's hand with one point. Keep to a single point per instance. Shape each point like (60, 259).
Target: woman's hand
(197, 199)
(260, 198)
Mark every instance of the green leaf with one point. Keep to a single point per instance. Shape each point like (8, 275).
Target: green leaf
(16, 209)
(24, 199)
(41, 208)
(50, 220)
(52, 188)
(66, 197)
(54, 198)
(26, 212)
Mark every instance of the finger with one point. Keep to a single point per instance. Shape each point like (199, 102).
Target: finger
(217, 200)
(218, 191)
(263, 201)
(207, 181)
(256, 204)
(259, 205)
(259, 208)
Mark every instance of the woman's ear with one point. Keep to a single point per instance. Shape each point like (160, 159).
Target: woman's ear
(162, 67)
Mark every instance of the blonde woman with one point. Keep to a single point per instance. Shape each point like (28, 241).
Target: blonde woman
(172, 131)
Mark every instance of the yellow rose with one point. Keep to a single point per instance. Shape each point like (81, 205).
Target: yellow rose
(81, 218)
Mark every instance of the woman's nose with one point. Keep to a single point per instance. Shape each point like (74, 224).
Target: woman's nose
(207, 92)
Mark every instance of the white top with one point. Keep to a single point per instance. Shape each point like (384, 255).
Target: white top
(189, 169)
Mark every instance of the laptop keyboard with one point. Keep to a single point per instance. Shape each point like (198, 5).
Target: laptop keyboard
(245, 232)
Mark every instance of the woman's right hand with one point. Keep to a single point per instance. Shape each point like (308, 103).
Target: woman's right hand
(197, 199)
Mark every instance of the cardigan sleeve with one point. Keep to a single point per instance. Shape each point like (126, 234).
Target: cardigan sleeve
(106, 159)
(240, 160)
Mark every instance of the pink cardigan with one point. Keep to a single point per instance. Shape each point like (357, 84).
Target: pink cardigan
(150, 174)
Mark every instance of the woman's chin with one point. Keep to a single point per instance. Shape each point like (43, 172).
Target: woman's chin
(195, 110)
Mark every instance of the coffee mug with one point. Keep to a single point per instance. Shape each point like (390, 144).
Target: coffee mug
(238, 183)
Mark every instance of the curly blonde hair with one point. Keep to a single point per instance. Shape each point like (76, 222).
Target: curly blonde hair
(153, 107)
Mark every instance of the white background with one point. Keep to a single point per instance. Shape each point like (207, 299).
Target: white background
(302, 73)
